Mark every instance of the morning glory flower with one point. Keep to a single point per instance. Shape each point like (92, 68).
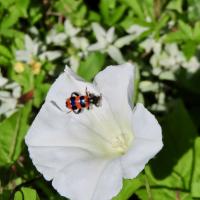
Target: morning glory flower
(87, 155)
(107, 42)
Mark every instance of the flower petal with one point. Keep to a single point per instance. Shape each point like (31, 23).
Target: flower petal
(99, 31)
(50, 55)
(145, 125)
(115, 54)
(110, 35)
(146, 144)
(66, 131)
(123, 41)
(50, 160)
(90, 179)
(116, 85)
(64, 85)
(97, 46)
(70, 30)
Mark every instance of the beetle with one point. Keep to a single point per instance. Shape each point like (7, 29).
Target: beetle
(76, 102)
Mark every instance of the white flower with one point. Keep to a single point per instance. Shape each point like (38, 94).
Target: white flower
(9, 94)
(56, 38)
(78, 44)
(151, 45)
(60, 38)
(136, 30)
(31, 51)
(87, 155)
(107, 43)
(192, 65)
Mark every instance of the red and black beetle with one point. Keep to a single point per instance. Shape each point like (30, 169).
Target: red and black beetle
(77, 102)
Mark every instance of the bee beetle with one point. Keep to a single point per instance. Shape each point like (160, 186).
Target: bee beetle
(77, 102)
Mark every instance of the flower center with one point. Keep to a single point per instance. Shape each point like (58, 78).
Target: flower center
(120, 144)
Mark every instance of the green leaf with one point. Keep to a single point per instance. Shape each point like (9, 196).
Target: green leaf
(186, 29)
(189, 49)
(91, 66)
(25, 79)
(196, 32)
(5, 52)
(7, 3)
(194, 11)
(39, 94)
(160, 24)
(105, 6)
(12, 132)
(110, 12)
(136, 7)
(117, 14)
(26, 194)
(4, 61)
(195, 187)
(177, 36)
(175, 159)
(35, 14)
(164, 194)
(175, 5)
(22, 6)
(129, 187)
(11, 19)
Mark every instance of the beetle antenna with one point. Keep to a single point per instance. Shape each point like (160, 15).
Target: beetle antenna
(58, 107)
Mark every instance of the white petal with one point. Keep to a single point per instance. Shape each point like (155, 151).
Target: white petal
(31, 45)
(116, 85)
(56, 38)
(50, 55)
(126, 40)
(64, 85)
(99, 31)
(3, 81)
(70, 29)
(23, 55)
(96, 47)
(50, 160)
(115, 54)
(110, 35)
(74, 62)
(110, 182)
(146, 144)
(136, 30)
(65, 131)
(89, 180)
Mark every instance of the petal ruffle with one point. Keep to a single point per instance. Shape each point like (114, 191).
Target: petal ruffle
(146, 144)
(90, 180)
(116, 85)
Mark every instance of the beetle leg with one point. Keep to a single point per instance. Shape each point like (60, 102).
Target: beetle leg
(86, 91)
(77, 111)
(74, 94)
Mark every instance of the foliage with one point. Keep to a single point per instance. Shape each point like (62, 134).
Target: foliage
(162, 38)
